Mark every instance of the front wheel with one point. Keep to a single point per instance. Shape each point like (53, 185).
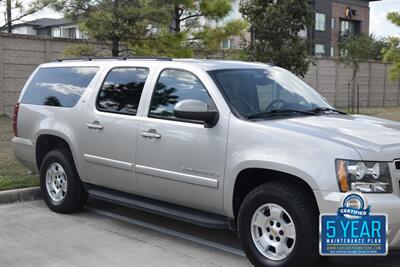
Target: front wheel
(278, 226)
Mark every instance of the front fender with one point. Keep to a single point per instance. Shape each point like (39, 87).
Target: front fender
(271, 146)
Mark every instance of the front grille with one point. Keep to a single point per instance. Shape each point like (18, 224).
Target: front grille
(397, 164)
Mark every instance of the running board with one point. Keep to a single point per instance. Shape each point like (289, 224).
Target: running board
(165, 209)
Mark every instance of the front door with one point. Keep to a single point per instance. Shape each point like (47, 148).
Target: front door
(111, 130)
(181, 161)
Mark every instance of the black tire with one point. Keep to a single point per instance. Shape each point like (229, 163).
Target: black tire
(304, 214)
(75, 196)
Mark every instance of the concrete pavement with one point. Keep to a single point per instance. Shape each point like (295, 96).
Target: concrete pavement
(32, 235)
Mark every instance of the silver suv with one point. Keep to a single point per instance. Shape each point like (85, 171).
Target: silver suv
(222, 144)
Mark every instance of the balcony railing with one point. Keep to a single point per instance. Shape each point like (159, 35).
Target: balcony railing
(342, 35)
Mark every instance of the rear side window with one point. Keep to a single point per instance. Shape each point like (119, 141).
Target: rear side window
(121, 90)
(60, 86)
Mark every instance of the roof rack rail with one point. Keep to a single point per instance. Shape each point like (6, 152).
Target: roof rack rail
(115, 58)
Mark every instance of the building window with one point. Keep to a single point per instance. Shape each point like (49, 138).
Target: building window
(319, 50)
(72, 33)
(350, 28)
(333, 22)
(320, 19)
(332, 51)
(345, 27)
(56, 32)
(227, 44)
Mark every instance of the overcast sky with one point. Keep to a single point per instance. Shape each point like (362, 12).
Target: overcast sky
(379, 25)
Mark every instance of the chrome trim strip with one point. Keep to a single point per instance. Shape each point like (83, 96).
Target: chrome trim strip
(176, 176)
(22, 141)
(108, 162)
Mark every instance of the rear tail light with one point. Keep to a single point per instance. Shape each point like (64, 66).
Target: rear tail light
(15, 119)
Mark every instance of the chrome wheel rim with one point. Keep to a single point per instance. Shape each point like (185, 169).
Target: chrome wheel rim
(56, 182)
(273, 232)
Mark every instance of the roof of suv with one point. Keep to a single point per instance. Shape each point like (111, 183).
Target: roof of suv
(204, 64)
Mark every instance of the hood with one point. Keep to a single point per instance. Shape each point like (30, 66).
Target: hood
(373, 138)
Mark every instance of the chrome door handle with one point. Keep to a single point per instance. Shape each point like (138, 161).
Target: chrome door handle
(95, 125)
(152, 133)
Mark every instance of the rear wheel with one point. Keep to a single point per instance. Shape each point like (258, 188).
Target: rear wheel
(278, 226)
(60, 184)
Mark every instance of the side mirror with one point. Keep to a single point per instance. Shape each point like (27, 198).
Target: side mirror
(191, 109)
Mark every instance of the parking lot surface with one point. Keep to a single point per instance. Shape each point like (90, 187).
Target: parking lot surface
(109, 235)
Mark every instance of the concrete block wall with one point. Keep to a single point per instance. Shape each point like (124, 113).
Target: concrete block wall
(21, 54)
(331, 80)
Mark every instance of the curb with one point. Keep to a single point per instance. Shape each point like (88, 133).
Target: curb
(20, 195)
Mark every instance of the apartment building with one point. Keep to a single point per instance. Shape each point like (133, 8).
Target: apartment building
(334, 20)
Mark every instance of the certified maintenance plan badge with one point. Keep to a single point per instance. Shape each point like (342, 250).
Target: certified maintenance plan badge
(353, 230)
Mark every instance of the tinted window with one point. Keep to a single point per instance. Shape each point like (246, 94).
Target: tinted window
(251, 91)
(61, 87)
(174, 86)
(121, 90)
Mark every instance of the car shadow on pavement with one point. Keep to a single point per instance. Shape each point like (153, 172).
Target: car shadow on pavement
(228, 238)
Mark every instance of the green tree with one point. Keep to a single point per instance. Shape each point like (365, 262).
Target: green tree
(392, 53)
(187, 13)
(115, 21)
(186, 33)
(16, 11)
(352, 51)
(381, 45)
(85, 50)
(276, 26)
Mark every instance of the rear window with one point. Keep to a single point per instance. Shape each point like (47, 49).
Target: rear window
(60, 87)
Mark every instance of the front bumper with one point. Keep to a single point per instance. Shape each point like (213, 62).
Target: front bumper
(329, 202)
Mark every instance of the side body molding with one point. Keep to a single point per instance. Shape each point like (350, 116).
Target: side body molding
(176, 176)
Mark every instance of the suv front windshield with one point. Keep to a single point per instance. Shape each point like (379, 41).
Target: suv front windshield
(256, 93)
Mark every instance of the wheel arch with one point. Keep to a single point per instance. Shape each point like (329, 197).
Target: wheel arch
(250, 177)
(49, 140)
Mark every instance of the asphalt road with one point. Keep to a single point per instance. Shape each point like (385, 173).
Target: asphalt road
(109, 235)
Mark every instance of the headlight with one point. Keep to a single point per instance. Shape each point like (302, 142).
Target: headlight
(363, 176)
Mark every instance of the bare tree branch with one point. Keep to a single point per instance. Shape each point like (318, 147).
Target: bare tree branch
(24, 13)
(198, 14)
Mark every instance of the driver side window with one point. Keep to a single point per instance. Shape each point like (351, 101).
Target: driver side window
(173, 86)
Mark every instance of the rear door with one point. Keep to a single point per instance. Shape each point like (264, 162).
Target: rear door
(111, 129)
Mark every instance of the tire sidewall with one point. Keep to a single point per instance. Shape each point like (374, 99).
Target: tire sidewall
(304, 228)
(59, 157)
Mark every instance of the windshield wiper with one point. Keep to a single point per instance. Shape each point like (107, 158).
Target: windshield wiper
(277, 112)
(323, 109)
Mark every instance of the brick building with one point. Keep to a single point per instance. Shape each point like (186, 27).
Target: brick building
(334, 20)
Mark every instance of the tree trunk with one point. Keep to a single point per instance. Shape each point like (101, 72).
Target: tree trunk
(115, 38)
(115, 47)
(176, 24)
(9, 26)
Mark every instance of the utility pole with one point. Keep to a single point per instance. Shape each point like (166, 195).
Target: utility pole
(8, 7)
